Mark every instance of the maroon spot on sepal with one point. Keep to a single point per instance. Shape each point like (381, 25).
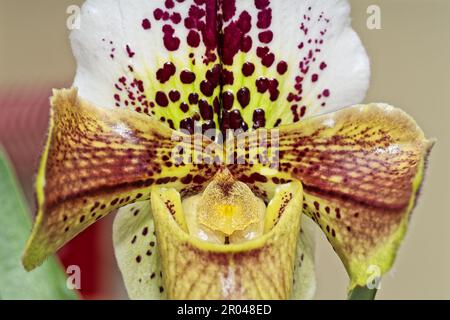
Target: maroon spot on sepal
(243, 96)
(161, 99)
(174, 95)
(207, 88)
(248, 69)
(266, 36)
(171, 42)
(188, 125)
(227, 100)
(146, 25)
(130, 52)
(184, 107)
(193, 39)
(206, 111)
(193, 98)
(282, 67)
(166, 72)
(259, 119)
(187, 77)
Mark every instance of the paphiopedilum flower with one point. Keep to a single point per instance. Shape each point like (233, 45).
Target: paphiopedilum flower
(212, 126)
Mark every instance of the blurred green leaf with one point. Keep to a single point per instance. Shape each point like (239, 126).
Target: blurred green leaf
(362, 293)
(45, 282)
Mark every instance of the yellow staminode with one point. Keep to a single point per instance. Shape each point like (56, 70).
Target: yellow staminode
(228, 206)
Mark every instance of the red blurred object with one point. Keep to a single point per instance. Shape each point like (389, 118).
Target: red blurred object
(23, 124)
(83, 251)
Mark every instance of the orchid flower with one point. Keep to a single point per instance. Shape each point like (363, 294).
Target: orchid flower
(163, 94)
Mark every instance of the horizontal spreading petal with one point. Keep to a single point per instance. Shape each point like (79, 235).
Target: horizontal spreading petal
(98, 160)
(361, 169)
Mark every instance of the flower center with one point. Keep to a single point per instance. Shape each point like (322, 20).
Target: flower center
(226, 212)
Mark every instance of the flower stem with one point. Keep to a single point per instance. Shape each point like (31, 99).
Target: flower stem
(362, 293)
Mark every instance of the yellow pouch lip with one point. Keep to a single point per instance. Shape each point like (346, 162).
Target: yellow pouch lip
(261, 268)
(253, 244)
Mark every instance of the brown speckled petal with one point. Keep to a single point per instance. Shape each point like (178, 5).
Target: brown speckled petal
(97, 160)
(361, 169)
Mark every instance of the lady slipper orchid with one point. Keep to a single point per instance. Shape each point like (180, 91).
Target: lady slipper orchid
(212, 125)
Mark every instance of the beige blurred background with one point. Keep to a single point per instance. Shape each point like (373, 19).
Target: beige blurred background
(410, 59)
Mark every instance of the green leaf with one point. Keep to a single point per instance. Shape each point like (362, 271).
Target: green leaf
(46, 282)
(362, 293)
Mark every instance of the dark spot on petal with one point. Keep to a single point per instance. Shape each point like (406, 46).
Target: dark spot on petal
(243, 96)
(146, 24)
